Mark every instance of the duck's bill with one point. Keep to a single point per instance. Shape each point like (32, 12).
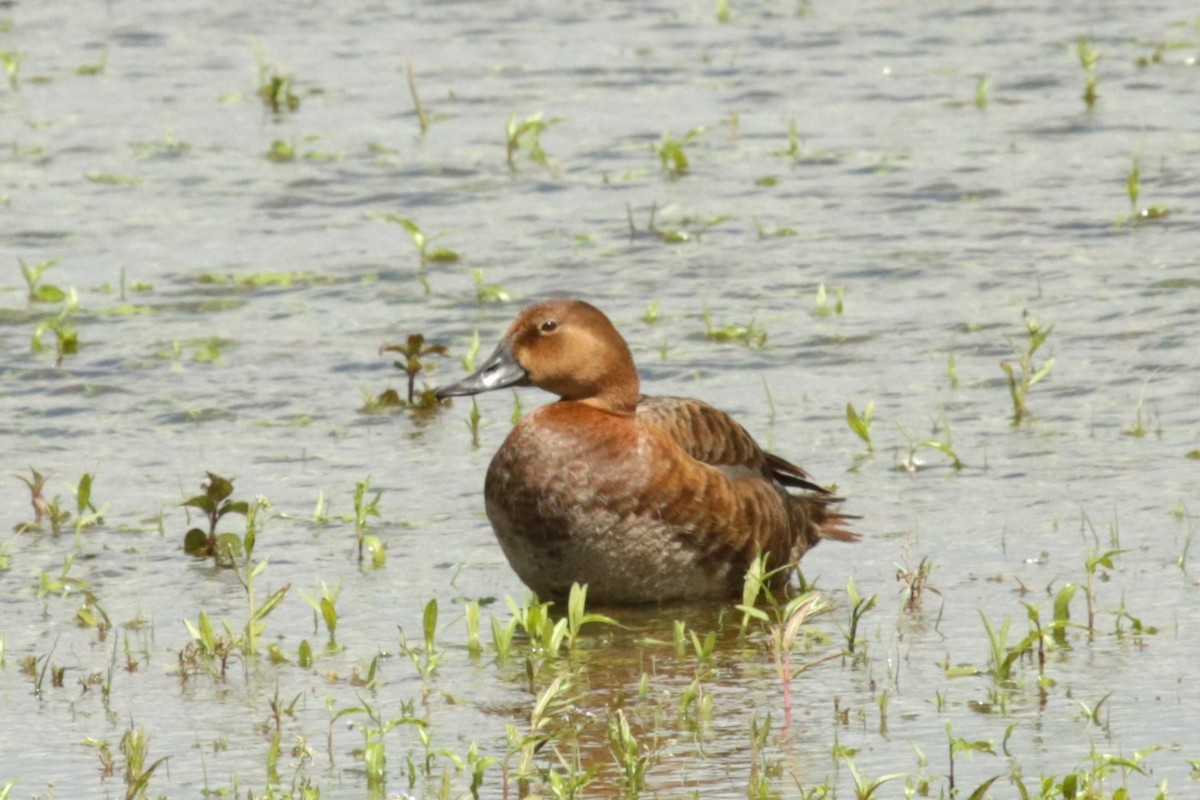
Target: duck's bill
(499, 371)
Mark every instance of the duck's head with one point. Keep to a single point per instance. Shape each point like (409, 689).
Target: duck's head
(567, 347)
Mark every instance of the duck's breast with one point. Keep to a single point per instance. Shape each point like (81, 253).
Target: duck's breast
(591, 498)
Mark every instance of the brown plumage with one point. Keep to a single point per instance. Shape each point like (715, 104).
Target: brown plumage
(641, 498)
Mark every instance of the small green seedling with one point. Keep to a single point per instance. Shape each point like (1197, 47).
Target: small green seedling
(916, 583)
(1093, 565)
(1023, 376)
(325, 608)
(528, 134)
(1087, 59)
(368, 544)
(422, 116)
(752, 335)
(631, 757)
(488, 292)
(861, 423)
(66, 337)
(39, 292)
(823, 308)
(274, 89)
(281, 151)
(12, 67)
(911, 464)
(672, 153)
(98, 68)
(958, 745)
(86, 514)
(859, 606)
(1133, 188)
(983, 88)
(416, 353)
(215, 504)
(436, 255)
(795, 144)
(135, 746)
(41, 506)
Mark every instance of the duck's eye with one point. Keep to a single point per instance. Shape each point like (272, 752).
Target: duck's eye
(549, 326)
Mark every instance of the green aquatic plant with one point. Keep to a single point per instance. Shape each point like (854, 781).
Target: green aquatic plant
(795, 144)
(672, 152)
(416, 353)
(247, 571)
(547, 635)
(916, 583)
(631, 757)
(957, 746)
(1094, 565)
(471, 618)
(1133, 189)
(418, 107)
(473, 420)
(952, 370)
(983, 88)
(97, 68)
(86, 513)
(1087, 59)
(364, 507)
(1025, 373)
(427, 255)
(488, 292)
(752, 335)
(11, 59)
(527, 134)
(861, 423)
(66, 337)
(864, 788)
(324, 607)
(859, 606)
(215, 503)
(274, 88)
(281, 151)
(1002, 658)
(41, 292)
(823, 308)
(374, 750)
(135, 747)
(784, 636)
(911, 464)
(43, 508)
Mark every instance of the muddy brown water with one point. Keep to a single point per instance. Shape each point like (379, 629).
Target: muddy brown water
(943, 223)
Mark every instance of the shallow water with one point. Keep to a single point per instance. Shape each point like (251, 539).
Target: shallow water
(942, 222)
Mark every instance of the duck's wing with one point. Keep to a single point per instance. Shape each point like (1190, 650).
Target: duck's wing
(711, 436)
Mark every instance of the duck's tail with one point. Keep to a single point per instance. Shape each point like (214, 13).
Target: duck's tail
(832, 524)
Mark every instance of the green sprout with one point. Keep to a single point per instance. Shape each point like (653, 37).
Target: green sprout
(39, 292)
(274, 89)
(416, 353)
(528, 134)
(215, 503)
(672, 155)
(436, 255)
(1023, 376)
(752, 335)
(1087, 59)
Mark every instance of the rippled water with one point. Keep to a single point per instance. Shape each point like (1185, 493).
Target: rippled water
(231, 307)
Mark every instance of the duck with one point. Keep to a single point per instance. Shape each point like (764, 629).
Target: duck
(641, 499)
